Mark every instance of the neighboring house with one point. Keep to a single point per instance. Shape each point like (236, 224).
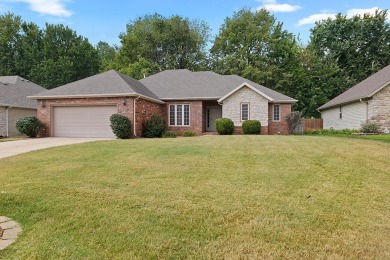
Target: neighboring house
(368, 101)
(14, 103)
(187, 100)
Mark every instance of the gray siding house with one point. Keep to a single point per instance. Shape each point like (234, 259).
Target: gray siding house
(368, 101)
(14, 103)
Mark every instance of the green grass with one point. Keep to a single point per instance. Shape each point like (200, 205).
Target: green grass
(247, 197)
(383, 138)
(8, 139)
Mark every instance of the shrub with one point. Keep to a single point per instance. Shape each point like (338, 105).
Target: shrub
(188, 133)
(121, 126)
(293, 120)
(331, 132)
(251, 127)
(154, 127)
(225, 126)
(369, 128)
(169, 134)
(30, 126)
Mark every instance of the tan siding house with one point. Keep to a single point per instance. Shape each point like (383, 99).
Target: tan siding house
(368, 101)
(14, 103)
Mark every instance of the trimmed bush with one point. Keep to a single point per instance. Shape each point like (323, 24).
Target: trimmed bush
(30, 126)
(154, 127)
(331, 132)
(169, 134)
(121, 126)
(369, 128)
(188, 133)
(251, 127)
(225, 126)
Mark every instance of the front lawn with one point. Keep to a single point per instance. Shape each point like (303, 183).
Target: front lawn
(208, 197)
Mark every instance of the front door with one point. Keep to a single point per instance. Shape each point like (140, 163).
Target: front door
(212, 114)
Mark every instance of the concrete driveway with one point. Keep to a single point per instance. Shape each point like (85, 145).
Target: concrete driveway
(27, 145)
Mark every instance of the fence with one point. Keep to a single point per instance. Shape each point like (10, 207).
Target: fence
(309, 125)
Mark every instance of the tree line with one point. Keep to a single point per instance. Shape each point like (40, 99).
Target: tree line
(340, 53)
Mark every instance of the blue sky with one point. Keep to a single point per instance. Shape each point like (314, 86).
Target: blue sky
(102, 20)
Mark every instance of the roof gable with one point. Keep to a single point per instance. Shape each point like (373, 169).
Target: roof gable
(107, 84)
(206, 85)
(14, 91)
(365, 89)
(245, 84)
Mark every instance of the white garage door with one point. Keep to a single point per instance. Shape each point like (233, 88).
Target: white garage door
(87, 121)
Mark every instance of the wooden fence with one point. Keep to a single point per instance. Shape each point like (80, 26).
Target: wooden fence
(309, 125)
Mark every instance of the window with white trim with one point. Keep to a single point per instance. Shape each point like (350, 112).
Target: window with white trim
(276, 113)
(179, 115)
(244, 111)
(341, 114)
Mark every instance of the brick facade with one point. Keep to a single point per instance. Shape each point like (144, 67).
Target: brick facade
(197, 117)
(280, 127)
(144, 109)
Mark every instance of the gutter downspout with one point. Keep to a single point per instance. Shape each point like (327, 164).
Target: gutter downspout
(6, 120)
(134, 119)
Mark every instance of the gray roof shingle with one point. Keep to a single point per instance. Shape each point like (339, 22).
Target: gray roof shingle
(184, 84)
(14, 91)
(107, 83)
(364, 89)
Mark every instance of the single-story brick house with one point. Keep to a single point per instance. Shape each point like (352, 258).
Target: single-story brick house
(188, 100)
(14, 103)
(368, 101)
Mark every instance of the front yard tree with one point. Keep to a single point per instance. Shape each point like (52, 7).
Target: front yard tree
(255, 46)
(155, 43)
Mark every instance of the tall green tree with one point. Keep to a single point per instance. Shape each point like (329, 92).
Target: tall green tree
(66, 57)
(50, 57)
(255, 45)
(360, 45)
(106, 54)
(154, 43)
(315, 82)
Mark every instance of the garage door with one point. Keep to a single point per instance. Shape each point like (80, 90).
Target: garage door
(87, 121)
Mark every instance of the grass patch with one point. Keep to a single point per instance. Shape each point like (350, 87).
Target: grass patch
(203, 197)
(382, 138)
(11, 139)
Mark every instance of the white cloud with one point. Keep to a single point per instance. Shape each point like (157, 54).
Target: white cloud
(274, 6)
(353, 12)
(314, 18)
(48, 7)
(323, 16)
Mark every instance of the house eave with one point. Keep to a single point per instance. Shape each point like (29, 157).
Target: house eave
(16, 106)
(191, 98)
(322, 108)
(98, 96)
(284, 101)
